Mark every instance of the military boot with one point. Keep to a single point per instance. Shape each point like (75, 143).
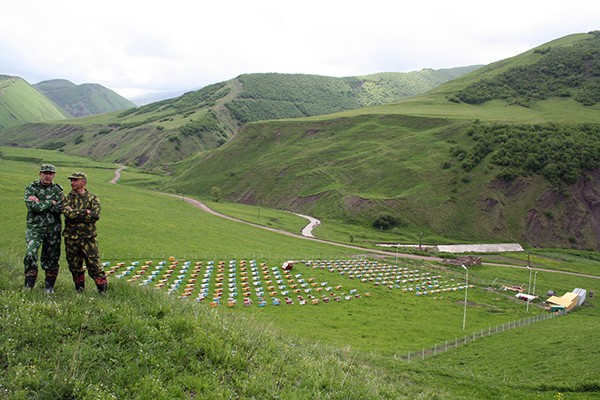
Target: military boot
(79, 280)
(101, 283)
(102, 287)
(50, 281)
(30, 282)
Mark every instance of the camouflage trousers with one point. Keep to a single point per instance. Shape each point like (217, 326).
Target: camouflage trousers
(80, 251)
(49, 241)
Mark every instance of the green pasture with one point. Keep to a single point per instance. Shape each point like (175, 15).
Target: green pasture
(142, 342)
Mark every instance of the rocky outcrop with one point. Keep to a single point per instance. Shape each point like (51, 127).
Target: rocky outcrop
(567, 218)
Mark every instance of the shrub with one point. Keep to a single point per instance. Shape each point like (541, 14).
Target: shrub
(385, 222)
(216, 194)
(53, 145)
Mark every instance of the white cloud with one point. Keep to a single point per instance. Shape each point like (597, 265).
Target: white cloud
(139, 46)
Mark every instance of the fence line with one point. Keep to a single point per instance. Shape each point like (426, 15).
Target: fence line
(478, 335)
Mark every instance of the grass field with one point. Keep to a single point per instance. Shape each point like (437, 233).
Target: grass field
(138, 342)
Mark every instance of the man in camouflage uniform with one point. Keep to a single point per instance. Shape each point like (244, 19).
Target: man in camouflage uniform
(43, 199)
(81, 210)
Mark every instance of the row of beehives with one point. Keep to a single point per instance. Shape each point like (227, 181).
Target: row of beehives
(226, 282)
(390, 276)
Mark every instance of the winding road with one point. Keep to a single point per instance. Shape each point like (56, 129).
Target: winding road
(313, 222)
(117, 174)
(307, 235)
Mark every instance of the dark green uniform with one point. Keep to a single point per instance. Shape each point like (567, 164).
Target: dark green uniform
(43, 230)
(81, 212)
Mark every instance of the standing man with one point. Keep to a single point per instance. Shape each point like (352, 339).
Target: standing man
(81, 210)
(43, 199)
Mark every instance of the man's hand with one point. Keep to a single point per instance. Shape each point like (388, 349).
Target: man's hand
(34, 199)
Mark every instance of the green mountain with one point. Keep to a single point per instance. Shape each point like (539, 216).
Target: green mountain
(521, 163)
(159, 133)
(83, 100)
(507, 152)
(21, 103)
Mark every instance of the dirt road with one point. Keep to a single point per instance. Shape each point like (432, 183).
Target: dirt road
(204, 207)
(117, 174)
(307, 235)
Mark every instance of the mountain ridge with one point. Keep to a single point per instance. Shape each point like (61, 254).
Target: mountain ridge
(171, 130)
(83, 100)
(506, 171)
(21, 103)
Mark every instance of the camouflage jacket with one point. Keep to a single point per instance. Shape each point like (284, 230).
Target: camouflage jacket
(43, 215)
(78, 222)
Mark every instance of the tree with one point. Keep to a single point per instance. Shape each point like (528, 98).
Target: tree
(216, 194)
(384, 221)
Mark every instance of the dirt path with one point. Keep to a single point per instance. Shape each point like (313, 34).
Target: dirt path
(313, 222)
(307, 235)
(117, 174)
(204, 207)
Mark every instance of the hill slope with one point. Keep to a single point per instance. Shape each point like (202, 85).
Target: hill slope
(174, 129)
(83, 100)
(500, 170)
(21, 103)
(139, 341)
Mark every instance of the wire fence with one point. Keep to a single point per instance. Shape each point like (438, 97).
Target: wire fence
(460, 341)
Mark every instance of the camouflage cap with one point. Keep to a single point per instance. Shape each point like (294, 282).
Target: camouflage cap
(78, 175)
(47, 168)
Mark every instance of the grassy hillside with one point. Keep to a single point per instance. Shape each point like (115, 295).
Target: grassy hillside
(82, 100)
(170, 130)
(495, 171)
(140, 342)
(275, 96)
(21, 103)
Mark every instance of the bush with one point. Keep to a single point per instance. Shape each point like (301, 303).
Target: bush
(53, 145)
(216, 194)
(385, 222)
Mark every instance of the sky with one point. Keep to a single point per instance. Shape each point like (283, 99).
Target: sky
(137, 47)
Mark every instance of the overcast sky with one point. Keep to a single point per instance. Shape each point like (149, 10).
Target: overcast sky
(134, 47)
